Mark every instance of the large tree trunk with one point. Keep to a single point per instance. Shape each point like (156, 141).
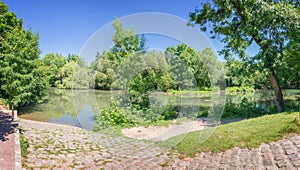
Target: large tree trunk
(278, 93)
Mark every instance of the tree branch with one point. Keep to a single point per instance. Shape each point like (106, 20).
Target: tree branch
(236, 26)
(237, 6)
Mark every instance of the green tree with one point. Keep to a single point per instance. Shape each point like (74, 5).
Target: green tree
(77, 59)
(65, 76)
(292, 58)
(268, 24)
(126, 43)
(192, 61)
(104, 73)
(22, 76)
(238, 74)
(214, 67)
(8, 21)
(74, 74)
(53, 62)
(152, 72)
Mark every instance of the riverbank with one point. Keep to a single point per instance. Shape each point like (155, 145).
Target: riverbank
(161, 133)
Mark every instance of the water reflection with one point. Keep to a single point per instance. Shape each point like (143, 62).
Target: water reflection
(68, 107)
(66, 119)
(78, 108)
(86, 117)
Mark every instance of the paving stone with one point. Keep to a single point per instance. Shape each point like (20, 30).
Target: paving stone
(293, 157)
(75, 148)
(71, 155)
(225, 161)
(255, 157)
(278, 157)
(223, 167)
(296, 163)
(267, 161)
(290, 151)
(271, 168)
(285, 142)
(203, 163)
(281, 163)
(264, 148)
(227, 154)
(183, 164)
(194, 164)
(259, 167)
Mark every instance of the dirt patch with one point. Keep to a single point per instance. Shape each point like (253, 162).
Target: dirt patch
(157, 133)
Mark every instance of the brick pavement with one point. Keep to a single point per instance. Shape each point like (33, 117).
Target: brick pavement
(7, 143)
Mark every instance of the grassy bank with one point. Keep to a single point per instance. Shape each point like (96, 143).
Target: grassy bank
(247, 133)
(229, 90)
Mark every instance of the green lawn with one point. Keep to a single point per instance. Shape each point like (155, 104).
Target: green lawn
(247, 133)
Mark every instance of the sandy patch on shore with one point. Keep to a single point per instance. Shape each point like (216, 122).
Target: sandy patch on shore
(157, 133)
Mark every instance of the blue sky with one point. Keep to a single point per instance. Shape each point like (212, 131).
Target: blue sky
(64, 26)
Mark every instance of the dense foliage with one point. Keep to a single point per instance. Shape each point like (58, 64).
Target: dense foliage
(54, 62)
(128, 66)
(271, 25)
(193, 62)
(114, 116)
(23, 78)
(151, 73)
(126, 43)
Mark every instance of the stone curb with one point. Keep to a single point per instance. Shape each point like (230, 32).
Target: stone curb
(18, 157)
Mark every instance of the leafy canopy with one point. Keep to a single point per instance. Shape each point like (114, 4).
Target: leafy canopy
(268, 24)
(22, 78)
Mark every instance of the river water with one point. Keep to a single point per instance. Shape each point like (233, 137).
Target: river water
(79, 107)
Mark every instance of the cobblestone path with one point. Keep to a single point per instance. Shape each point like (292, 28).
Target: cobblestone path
(55, 146)
(63, 147)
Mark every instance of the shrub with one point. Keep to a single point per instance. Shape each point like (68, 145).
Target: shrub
(244, 109)
(204, 113)
(170, 113)
(241, 89)
(292, 106)
(24, 146)
(115, 116)
(162, 113)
